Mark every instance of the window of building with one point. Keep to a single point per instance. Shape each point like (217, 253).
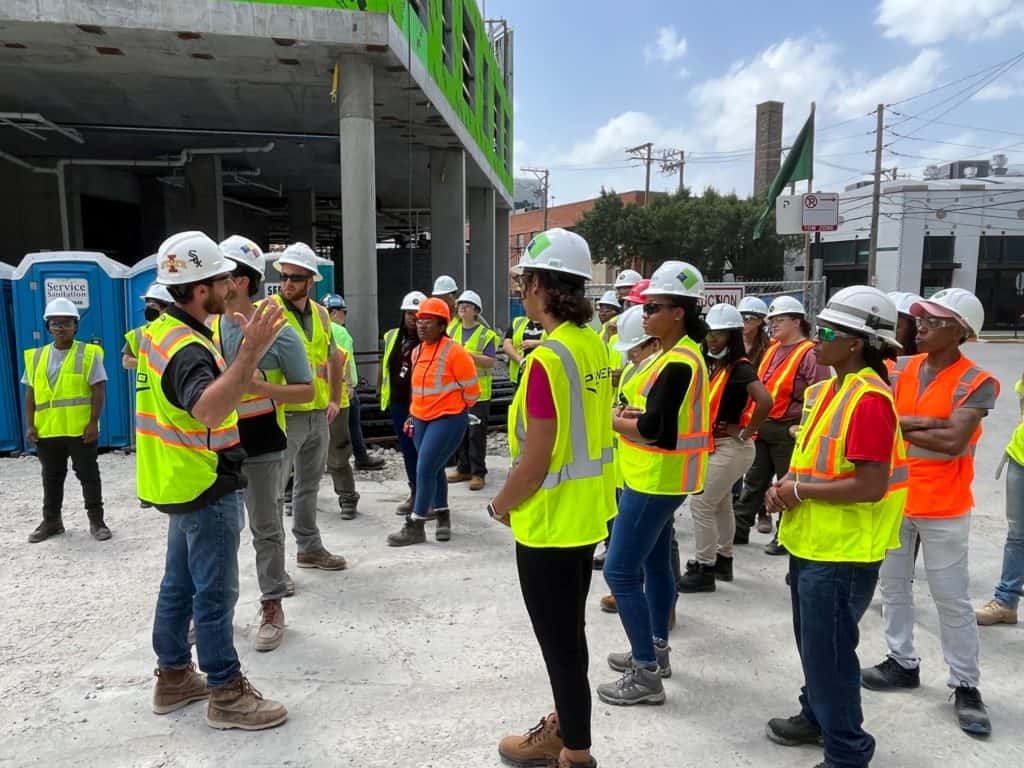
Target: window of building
(994, 251)
(447, 36)
(507, 134)
(496, 121)
(938, 250)
(468, 60)
(845, 253)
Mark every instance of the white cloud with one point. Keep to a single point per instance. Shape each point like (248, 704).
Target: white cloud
(863, 95)
(1010, 87)
(683, 74)
(923, 22)
(667, 47)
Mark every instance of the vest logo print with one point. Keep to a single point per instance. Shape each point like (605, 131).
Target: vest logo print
(593, 377)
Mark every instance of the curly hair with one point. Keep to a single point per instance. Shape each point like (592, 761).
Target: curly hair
(564, 296)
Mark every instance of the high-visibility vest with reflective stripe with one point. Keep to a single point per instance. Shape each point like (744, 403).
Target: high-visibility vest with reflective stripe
(849, 532)
(719, 380)
(781, 383)
(1015, 450)
(132, 339)
(317, 350)
(476, 345)
(630, 381)
(390, 337)
(176, 459)
(252, 405)
(436, 388)
(940, 484)
(577, 497)
(680, 470)
(64, 409)
(519, 326)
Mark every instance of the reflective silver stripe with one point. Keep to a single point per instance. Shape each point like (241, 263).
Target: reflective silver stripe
(439, 388)
(208, 440)
(821, 465)
(917, 452)
(902, 363)
(692, 443)
(68, 402)
(79, 356)
(249, 408)
(966, 384)
(900, 474)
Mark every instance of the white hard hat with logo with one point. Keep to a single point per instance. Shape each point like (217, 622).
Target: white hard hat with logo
(723, 317)
(610, 299)
(676, 278)
(557, 250)
(752, 305)
(411, 302)
(903, 300)
(190, 257)
(299, 255)
(244, 251)
(955, 303)
(865, 310)
(785, 305)
(471, 297)
(631, 329)
(60, 307)
(628, 278)
(158, 292)
(444, 285)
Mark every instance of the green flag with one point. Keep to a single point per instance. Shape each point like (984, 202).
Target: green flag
(799, 166)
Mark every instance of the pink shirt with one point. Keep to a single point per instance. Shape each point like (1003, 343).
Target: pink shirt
(540, 403)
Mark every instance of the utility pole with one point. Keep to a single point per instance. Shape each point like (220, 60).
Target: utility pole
(673, 160)
(643, 154)
(544, 177)
(808, 260)
(876, 196)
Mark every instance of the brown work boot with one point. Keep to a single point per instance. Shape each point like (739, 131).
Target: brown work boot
(176, 688)
(608, 604)
(271, 631)
(458, 477)
(238, 705)
(541, 745)
(476, 483)
(45, 530)
(321, 559)
(289, 585)
(994, 612)
(564, 762)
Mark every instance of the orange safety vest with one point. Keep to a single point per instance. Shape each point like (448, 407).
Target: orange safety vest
(783, 379)
(444, 380)
(718, 381)
(940, 484)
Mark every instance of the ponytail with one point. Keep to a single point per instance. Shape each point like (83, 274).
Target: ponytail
(875, 357)
(693, 323)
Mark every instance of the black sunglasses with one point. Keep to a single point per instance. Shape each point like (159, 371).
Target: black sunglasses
(653, 307)
(293, 278)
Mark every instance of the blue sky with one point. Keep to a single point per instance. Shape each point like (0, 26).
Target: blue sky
(593, 79)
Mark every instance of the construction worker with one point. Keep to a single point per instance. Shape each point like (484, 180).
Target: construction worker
(340, 444)
(734, 384)
(941, 397)
(787, 368)
(308, 424)
(65, 387)
(446, 289)
(843, 497)
(663, 455)
(482, 344)
(755, 330)
(625, 282)
(635, 298)
(906, 330)
(521, 339)
(444, 389)
(283, 376)
(189, 466)
(560, 493)
(608, 308)
(157, 300)
(395, 385)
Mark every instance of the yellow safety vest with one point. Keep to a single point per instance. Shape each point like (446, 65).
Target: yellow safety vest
(630, 381)
(476, 345)
(133, 338)
(577, 498)
(518, 336)
(317, 350)
(1015, 450)
(252, 405)
(390, 337)
(854, 532)
(679, 470)
(64, 409)
(176, 459)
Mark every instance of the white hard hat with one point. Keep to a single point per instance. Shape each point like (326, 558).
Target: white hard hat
(244, 251)
(190, 257)
(412, 301)
(60, 307)
(158, 292)
(630, 326)
(957, 303)
(752, 305)
(786, 305)
(628, 278)
(723, 317)
(471, 297)
(557, 250)
(865, 310)
(903, 300)
(444, 285)
(676, 278)
(611, 299)
(299, 255)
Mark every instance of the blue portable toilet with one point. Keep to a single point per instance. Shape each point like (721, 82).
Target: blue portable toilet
(136, 282)
(95, 284)
(10, 414)
(272, 278)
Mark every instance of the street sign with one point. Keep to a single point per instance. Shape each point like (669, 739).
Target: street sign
(789, 214)
(820, 212)
(722, 293)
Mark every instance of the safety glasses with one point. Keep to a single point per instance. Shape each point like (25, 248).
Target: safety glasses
(653, 308)
(830, 334)
(285, 278)
(933, 323)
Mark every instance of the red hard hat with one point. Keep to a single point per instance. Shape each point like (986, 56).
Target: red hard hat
(636, 293)
(434, 307)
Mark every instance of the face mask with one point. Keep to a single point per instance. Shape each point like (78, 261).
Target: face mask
(151, 313)
(719, 355)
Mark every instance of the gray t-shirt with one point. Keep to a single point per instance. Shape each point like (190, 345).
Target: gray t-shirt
(96, 374)
(983, 398)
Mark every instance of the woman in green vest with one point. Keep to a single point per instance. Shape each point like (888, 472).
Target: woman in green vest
(522, 337)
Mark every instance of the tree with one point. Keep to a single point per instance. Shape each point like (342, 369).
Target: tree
(617, 233)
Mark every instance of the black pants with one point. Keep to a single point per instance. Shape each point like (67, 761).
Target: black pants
(555, 583)
(774, 449)
(53, 453)
(471, 458)
(355, 429)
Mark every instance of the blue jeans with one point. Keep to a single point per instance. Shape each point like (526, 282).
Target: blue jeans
(436, 441)
(638, 568)
(1011, 584)
(201, 580)
(833, 597)
(399, 413)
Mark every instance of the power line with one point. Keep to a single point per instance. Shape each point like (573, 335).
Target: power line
(954, 82)
(961, 125)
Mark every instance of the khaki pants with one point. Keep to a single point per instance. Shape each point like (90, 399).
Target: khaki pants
(713, 522)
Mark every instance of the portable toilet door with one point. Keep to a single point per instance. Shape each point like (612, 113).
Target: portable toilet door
(325, 286)
(137, 280)
(10, 415)
(94, 283)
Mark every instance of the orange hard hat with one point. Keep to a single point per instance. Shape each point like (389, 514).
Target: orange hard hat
(434, 307)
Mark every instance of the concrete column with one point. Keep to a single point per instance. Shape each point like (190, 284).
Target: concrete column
(965, 251)
(358, 259)
(501, 267)
(302, 216)
(448, 213)
(480, 265)
(204, 195)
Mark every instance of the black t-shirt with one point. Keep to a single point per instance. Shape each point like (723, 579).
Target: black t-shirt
(532, 332)
(400, 368)
(660, 420)
(734, 398)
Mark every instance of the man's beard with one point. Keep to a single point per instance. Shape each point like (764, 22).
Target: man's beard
(214, 305)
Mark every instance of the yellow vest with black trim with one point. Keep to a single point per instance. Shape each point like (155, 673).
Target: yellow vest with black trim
(1015, 450)
(630, 381)
(577, 497)
(317, 350)
(679, 470)
(252, 405)
(854, 532)
(64, 409)
(176, 459)
(475, 345)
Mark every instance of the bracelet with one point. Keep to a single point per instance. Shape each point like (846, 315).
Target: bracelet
(796, 491)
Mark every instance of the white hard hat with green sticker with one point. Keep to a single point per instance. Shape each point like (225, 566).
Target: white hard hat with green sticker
(557, 250)
(676, 278)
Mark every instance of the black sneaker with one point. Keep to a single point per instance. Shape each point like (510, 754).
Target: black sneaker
(890, 675)
(723, 568)
(793, 731)
(698, 578)
(970, 711)
(370, 463)
(774, 548)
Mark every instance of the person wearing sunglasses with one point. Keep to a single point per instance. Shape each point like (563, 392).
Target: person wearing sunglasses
(755, 328)
(843, 497)
(663, 455)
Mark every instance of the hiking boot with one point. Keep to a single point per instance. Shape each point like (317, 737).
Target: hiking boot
(321, 559)
(443, 532)
(636, 686)
(289, 585)
(889, 675)
(608, 604)
(723, 568)
(970, 711)
(271, 631)
(458, 477)
(742, 536)
(348, 506)
(793, 731)
(764, 523)
(698, 578)
(238, 705)
(370, 463)
(564, 762)
(774, 548)
(411, 533)
(476, 483)
(45, 530)
(994, 612)
(406, 506)
(177, 688)
(99, 531)
(623, 662)
(539, 746)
